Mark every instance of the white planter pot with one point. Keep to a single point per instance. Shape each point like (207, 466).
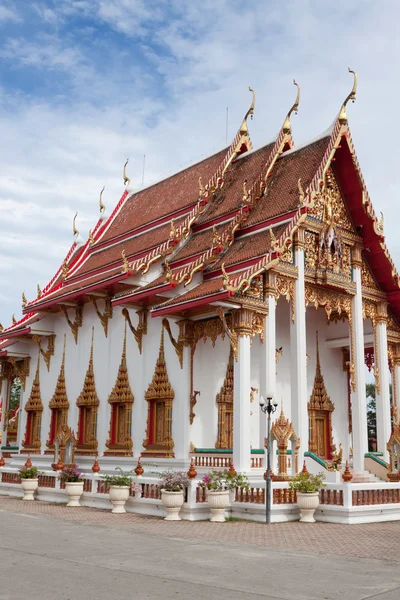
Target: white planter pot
(307, 504)
(119, 494)
(29, 486)
(74, 491)
(218, 502)
(172, 502)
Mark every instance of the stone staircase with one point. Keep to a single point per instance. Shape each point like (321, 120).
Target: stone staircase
(361, 476)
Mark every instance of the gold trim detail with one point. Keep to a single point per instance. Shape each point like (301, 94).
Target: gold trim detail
(47, 354)
(352, 96)
(224, 400)
(34, 406)
(76, 323)
(286, 287)
(88, 403)
(59, 400)
(141, 329)
(106, 315)
(232, 335)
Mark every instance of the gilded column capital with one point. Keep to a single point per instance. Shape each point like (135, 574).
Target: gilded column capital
(242, 322)
(270, 284)
(356, 256)
(186, 332)
(381, 315)
(299, 239)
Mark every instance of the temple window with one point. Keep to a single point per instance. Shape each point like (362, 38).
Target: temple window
(87, 404)
(224, 400)
(58, 405)
(34, 409)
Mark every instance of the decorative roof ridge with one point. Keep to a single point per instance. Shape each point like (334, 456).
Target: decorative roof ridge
(327, 133)
(23, 321)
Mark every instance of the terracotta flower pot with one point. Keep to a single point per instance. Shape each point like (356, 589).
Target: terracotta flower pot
(172, 502)
(118, 495)
(218, 502)
(307, 503)
(29, 486)
(74, 491)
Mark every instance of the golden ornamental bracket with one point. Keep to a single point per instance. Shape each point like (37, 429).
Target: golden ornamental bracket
(106, 315)
(232, 335)
(141, 329)
(352, 96)
(177, 344)
(286, 287)
(21, 368)
(193, 402)
(76, 323)
(47, 354)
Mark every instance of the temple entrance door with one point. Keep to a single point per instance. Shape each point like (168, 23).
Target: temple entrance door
(321, 425)
(159, 429)
(229, 428)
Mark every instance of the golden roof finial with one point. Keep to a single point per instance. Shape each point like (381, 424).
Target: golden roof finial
(102, 207)
(64, 270)
(76, 232)
(14, 320)
(250, 113)
(126, 178)
(287, 128)
(168, 271)
(225, 275)
(39, 291)
(1, 328)
(91, 238)
(173, 230)
(246, 198)
(125, 262)
(352, 96)
(24, 300)
(301, 192)
(273, 239)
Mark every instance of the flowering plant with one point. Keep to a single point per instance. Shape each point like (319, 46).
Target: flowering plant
(70, 475)
(305, 483)
(174, 481)
(219, 481)
(123, 479)
(137, 488)
(29, 473)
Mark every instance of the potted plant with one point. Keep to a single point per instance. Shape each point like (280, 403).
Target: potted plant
(218, 485)
(307, 488)
(29, 481)
(119, 487)
(73, 484)
(173, 485)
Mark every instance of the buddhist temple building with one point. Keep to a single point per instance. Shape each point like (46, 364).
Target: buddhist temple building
(254, 269)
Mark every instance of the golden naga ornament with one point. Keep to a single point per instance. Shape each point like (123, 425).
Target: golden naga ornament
(287, 127)
(250, 113)
(74, 229)
(125, 262)
(24, 300)
(126, 178)
(64, 270)
(91, 238)
(246, 198)
(301, 192)
(352, 96)
(14, 320)
(39, 291)
(1, 328)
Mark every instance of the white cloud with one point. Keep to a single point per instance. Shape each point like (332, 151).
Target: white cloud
(8, 14)
(196, 59)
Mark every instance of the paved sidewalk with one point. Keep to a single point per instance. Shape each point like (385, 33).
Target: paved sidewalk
(374, 540)
(49, 552)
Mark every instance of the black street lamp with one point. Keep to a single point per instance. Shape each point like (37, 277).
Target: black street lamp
(269, 408)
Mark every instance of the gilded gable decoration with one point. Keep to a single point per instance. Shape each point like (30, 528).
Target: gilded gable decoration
(283, 432)
(34, 409)
(13, 367)
(320, 409)
(285, 286)
(369, 285)
(224, 400)
(159, 396)
(76, 323)
(104, 316)
(87, 403)
(141, 329)
(232, 334)
(47, 354)
(121, 400)
(58, 404)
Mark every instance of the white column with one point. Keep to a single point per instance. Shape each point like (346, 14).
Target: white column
(396, 381)
(358, 396)
(383, 423)
(298, 351)
(268, 362)
(241, 396)
(181, 428)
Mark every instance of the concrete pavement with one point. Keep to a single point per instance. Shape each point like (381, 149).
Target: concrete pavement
(45, 558)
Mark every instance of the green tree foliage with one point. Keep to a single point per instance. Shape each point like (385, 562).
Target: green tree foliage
(370, 391)
(15, 393)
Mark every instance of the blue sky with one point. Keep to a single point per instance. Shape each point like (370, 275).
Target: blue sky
(86, 83)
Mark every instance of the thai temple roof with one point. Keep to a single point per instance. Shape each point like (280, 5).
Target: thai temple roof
(203, 234)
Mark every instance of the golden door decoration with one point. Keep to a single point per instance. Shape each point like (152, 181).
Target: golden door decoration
(320, 410)
(34, 409)
(88, 403)
(121, 399)
(64, 448)
(159, 396)
(58, 404)
(283, 432)
(224, 400)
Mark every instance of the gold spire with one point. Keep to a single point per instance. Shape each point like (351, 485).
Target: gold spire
(319, 398)
(24, 300)
(60, 398)
(35, 399)
(74, 229)
(88, 395)
(250, 112)
(126, 179)
(14, 320)
(39, 291)
(160, 387)
(287, 127)
(121, 391)
(352, 96)
(91, 238)
(102, 207)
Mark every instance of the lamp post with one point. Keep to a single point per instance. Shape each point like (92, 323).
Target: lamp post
(269, 408)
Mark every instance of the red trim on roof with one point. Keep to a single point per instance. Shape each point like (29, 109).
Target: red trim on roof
(12, 334)
(136, 296)
(158, 312)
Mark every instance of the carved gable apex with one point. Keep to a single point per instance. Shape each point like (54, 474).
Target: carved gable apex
(369, 285)
(330, 205)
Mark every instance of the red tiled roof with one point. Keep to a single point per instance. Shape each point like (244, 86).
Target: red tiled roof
(205, 288)
(172, 194)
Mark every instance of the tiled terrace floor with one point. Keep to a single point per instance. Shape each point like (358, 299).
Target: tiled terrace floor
(374, 540)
